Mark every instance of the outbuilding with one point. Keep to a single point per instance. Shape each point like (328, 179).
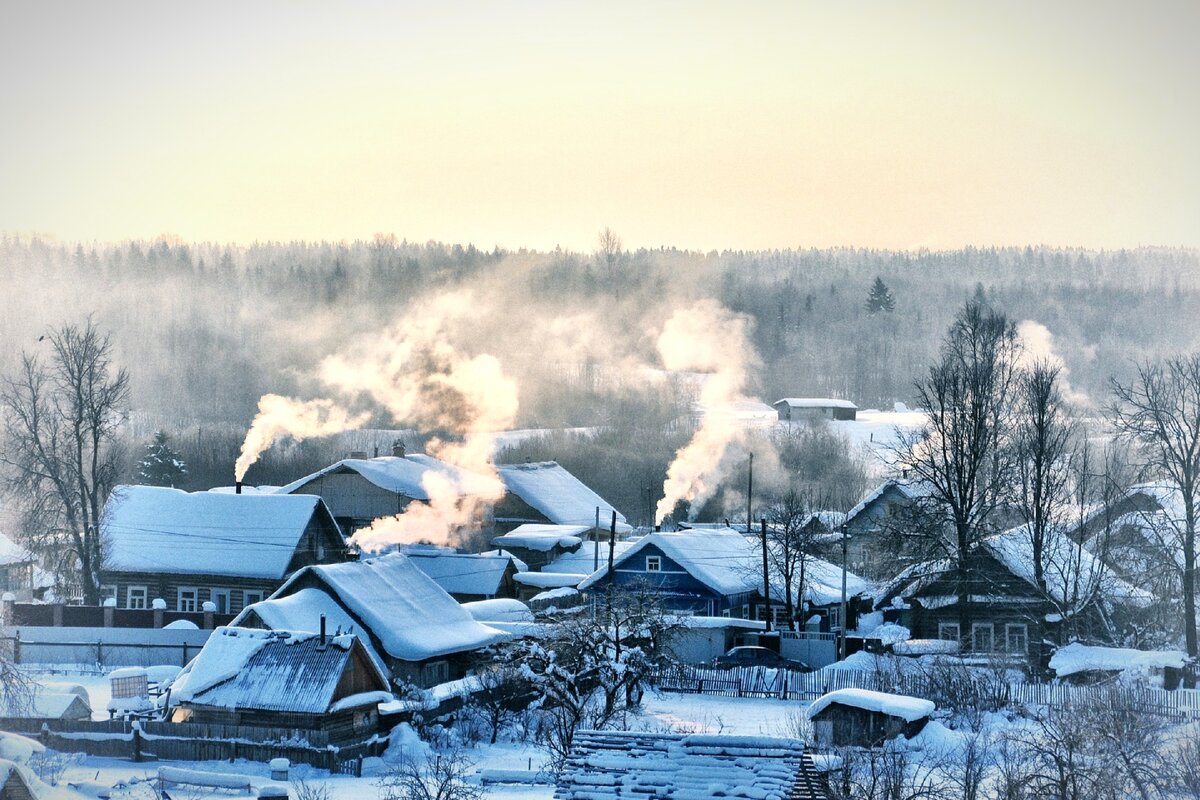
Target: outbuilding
(864, 718)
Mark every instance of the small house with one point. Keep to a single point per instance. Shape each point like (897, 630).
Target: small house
(545, 493)
(796, 409)
(192, 548)
(864, 718)
(281, 679)
(361, 490)
(20, 574)
(627, 764)
(416, 631)
(467, 576)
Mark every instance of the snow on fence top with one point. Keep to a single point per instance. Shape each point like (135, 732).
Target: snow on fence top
(157, 529)
(558, 495)
(909, 709)
(1076, 657)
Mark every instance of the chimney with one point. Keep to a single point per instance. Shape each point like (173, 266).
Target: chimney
(322, 630)
(398, 448)
(658, 528)
(237, 488)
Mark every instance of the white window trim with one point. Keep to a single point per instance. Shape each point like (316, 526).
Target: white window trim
(145, 597)
(656, 561)
(194, 591)
(991, 631)
(945, 628)
(246, 594)
(1008, 628)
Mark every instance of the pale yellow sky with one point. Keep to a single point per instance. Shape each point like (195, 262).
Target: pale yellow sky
(699, 125)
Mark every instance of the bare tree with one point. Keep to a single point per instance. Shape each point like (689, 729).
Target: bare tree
(1160, 411)
(962, 455)
(433, 777)
(60, 420)
(1042, 439)
(608, 251)
(791, 544)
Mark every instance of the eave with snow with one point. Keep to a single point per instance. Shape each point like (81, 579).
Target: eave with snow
(718, 573)
(865, 718)
(192, 548)
(409, 624)
(281, 679)
(545, 493)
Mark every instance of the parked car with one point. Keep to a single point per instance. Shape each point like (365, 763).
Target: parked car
(748, 656)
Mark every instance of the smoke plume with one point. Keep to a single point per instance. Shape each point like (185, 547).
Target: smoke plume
(280, 416)
(708, 339)
(1037, 344)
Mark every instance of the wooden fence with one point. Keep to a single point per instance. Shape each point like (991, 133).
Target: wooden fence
(174, 741)
(788, 685)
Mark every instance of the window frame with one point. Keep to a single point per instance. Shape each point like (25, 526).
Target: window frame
(227, 594)
(991, 635)
(194, 591)
(259, 594)
(656, 561)
(145, 597)
(945, 627)
(1008, 631)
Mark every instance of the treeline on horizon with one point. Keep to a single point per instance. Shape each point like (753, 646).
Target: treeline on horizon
(206, 329)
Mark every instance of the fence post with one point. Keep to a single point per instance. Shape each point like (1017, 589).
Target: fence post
(17, 648)
(137, 743)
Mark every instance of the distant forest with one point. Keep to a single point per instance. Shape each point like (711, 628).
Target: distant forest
(205, 329)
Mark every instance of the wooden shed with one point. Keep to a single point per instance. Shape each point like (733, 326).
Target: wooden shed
(863, 718)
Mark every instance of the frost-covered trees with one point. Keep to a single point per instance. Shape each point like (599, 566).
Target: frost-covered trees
(880, 297)
(160, 464)
(60, 415)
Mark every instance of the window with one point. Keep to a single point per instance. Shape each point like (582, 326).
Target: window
(981, 637)
(835, 618)
(653, 563)
(948, 631)
(220, 599)
(135, 597)
(189, 599)
(249, 597)
(1016, 638)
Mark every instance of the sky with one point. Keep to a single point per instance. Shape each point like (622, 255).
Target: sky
(697, 125)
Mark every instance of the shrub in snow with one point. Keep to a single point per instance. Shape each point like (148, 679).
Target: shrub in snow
(441, 776)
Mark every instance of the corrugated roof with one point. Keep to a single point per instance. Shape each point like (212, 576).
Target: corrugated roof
(157, 529)
(463, 573)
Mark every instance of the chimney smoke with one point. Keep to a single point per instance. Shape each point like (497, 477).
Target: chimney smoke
(237, 488)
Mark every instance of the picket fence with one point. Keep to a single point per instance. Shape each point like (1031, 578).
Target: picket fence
(789, 685)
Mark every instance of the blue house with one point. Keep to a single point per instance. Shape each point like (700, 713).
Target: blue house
(718, 573)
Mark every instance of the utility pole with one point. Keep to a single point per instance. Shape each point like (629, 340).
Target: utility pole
(750, 497)
(766, 577)
(842, 627)
(612, 544)
(596, 542)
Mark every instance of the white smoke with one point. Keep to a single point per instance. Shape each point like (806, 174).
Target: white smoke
(280, 416)
(709, 339)
(1037, 346)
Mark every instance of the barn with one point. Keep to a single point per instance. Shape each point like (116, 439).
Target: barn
(864, 718)
(797, 409)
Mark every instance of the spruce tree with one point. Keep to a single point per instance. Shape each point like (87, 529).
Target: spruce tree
(161, 465)
(880, 297)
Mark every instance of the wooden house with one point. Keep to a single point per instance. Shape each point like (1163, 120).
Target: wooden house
(20, 574)
(360, 490)
(797, 409)
(717, 572)
(280, 679)
(1006, 611)
(623, 764)
(864, 718)
(467, 577)
(230, 550)
(544, 493)
(415, 631)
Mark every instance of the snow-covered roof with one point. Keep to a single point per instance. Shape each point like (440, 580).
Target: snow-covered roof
(301, 613)
(585, 559)
(542, 538)
(156, 529)
(558, 495)
(909, 709)
(612, 764)
(267, 670)
(1068, 566)
(1077, 657)
(463, 573)
(412, 617)
(550, 580)
(729, 562)
(815, 402)
(912, 489)
(47, 705)
(13, 553)
(402, 475)
(499, 610)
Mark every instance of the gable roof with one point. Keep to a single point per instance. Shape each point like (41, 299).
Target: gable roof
(909, 488)
(611, 764)
(730, 562)
(242, 668)
(412, 617)
(13, 553)
(402, 475)
(558, 495)
(156, 529)
(815, 402)
(463, 573)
